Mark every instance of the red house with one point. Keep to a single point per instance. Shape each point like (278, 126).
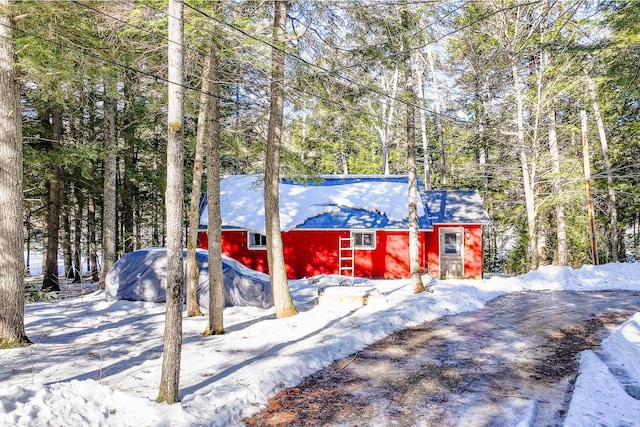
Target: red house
(354, 225)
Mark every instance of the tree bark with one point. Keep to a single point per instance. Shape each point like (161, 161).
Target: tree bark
(77, 234)
(387, 112)
(414, 240)
(170, 377)
(66, 234)
(561, 225)
(275, 251)
(527, 178)
(12, 331)
(410, 99)
(92, 249)
(50, 281)
(193, 309)
(614, 244)
(423, 129)
(214, 220)
(109, 194)
(438, 119)
(129, 187)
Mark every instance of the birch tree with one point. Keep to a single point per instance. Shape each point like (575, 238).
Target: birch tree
(170, 377)
(554, 152)
(612, 200)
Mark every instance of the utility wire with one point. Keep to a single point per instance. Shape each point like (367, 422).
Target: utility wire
(84, 50)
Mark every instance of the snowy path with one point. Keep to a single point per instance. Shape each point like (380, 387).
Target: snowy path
(510, 363)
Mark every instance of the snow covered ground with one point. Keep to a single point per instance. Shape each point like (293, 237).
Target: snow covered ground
(95, 362)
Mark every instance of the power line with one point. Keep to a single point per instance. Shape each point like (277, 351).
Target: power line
(84, 50)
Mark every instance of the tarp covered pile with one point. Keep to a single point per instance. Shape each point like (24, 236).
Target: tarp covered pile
(142, 276)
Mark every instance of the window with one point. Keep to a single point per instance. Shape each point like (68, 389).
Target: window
(257, 241)
(452, 243)
(364, 239)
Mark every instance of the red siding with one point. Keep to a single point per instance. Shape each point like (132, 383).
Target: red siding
(473, 259)
(312, 252)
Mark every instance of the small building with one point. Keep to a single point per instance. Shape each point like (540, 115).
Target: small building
(353, 225)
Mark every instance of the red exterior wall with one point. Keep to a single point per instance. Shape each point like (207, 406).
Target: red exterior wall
(473, 259)
(313, 252)
(473, 256)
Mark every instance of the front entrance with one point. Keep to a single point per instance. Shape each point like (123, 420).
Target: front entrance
(451, 253)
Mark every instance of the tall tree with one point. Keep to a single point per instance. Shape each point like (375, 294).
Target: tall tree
(437, 116)
(612, 200)
(170, 377)
(215, 325)
(109, 206)
(408, 27)
(193, 309)
(12, 332)
(275, 252)
(129, 187)
(50, 279)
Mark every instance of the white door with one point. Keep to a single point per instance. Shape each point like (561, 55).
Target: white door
(451, 253)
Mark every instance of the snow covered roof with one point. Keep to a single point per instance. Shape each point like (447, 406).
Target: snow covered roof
(456, 207)
(334, 201)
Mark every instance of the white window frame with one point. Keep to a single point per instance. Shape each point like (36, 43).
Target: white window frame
(251, 245)
(369, 247)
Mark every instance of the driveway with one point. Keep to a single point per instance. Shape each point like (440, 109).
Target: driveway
(513, 361)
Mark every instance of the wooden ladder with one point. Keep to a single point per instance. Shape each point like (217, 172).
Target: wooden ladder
(346, 259)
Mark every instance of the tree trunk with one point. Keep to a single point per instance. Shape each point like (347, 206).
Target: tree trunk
(612, 205)
(587, 178)
(129, 187)
(66, 234)
(561, 225)
(410, 99)
(527, 179)
(170, 378)
(386, 114)
(275, 251)
(109, 196)
(193, 309)
(50, 281)
(438, 119)
(12, 332)
(423, 129)
(214, 220)
(414, 240)
(92, 249)
(77, 234)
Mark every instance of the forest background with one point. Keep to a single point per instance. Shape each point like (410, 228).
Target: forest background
(506, 95)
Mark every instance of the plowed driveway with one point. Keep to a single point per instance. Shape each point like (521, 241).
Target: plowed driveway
(511, 362)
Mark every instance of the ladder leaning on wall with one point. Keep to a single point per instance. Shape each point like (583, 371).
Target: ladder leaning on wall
(346, 258)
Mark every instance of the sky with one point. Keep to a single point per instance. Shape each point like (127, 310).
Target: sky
(97, 362)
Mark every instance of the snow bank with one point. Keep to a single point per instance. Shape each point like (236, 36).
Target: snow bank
(601, 396)
(87, 402)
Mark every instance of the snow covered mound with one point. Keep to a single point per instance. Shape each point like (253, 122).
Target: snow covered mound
(101, 406)
(554, 278)
(142, 276)
(607, 388)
